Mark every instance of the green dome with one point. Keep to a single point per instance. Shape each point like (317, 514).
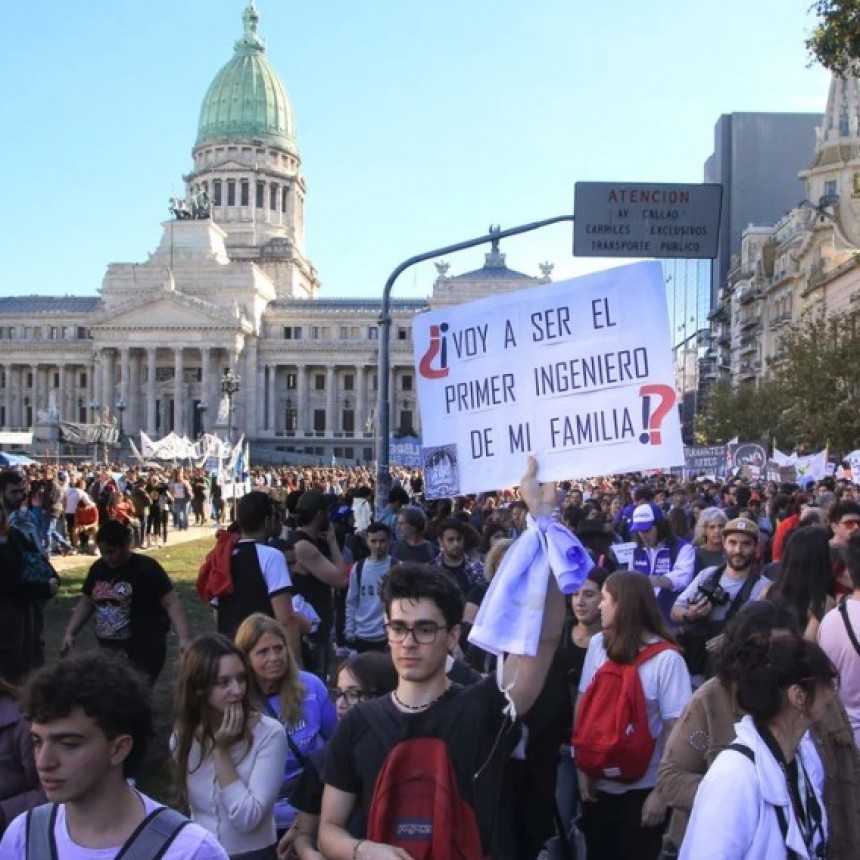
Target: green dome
(247, 100)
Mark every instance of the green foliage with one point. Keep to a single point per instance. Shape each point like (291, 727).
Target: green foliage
(812, 398)
(835, 42)
(746, 412)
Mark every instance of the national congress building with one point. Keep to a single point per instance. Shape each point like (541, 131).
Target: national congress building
(230, 286)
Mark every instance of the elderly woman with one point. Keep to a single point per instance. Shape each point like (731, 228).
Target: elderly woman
(708, 538)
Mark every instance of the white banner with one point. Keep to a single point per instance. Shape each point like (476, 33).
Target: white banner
(579, 373)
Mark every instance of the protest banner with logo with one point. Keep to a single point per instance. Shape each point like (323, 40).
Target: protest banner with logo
(749, 459)
(578, 373)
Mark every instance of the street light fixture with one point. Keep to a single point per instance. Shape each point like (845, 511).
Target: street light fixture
(121, 406)
(230, 384)
(229, 387)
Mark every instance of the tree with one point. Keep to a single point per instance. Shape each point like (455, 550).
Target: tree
(835, 42)
(820, 382)
(748, 412)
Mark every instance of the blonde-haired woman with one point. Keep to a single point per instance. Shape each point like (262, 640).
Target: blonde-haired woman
(297, 699)
(229, 757)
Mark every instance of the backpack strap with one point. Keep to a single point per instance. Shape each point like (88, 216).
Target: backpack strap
(652, 650)
(301, 758)
(780, 811)
(359, 569)
(41, 844)
(154, 835)
(742, 596)
(843, 611)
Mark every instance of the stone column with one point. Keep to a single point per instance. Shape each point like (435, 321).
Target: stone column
(273, 421)
(95, 383)
(62, 393)
(250, 392)
(135, 407)
(330, 422)
(18, 409)
(151, 428)
(207, 420)
(301, 399)
(178, 400)
(362, 403)
(107, 398)
(7, 396)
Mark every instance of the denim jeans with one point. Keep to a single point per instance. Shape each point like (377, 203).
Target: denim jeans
(50, 536)
(180, 514)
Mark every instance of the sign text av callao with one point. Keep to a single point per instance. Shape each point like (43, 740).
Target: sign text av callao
(614, 219)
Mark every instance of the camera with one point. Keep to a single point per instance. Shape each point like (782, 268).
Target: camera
(713, 592)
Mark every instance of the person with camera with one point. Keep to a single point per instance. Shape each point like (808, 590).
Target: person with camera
(716, 594)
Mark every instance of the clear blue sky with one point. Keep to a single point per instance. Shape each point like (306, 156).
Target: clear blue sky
(418, 124)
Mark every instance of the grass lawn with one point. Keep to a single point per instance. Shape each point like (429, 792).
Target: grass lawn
(181, 563)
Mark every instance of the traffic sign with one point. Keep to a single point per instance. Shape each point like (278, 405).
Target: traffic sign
(626, 219)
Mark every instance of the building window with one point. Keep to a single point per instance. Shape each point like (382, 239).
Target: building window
(373, 382)
(231, 192)
(273, 197)
(216, 192)
(344, 332)
(402, 333)
(284, 199)
(81, 333)
(349, 382)
(56, 380)
(292, 382)
(245, 192)
(373, 333)
(291, 420)
(82, 381)
(319, 422)
(292, 332)
(406, 421)
(830, 188)
(348, 421)
(406, 382)
(261, 192)
(319, 382)
(29, 380)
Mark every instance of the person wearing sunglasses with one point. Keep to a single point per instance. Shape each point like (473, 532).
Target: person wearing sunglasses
(356, 679)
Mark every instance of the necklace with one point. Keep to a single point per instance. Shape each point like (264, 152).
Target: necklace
(402, 704)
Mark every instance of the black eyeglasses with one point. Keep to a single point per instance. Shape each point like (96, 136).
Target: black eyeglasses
(350, 696)
(424, 633)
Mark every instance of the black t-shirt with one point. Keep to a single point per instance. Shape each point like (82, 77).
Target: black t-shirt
(127, 600)
(470, 720)
(314, 590)
(424, 553)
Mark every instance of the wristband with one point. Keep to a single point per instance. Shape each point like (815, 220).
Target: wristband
(356, 847)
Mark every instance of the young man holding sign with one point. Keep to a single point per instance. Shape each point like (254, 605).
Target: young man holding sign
(424, 609)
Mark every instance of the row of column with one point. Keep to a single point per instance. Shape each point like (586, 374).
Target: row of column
(87, 391)
(280, 399)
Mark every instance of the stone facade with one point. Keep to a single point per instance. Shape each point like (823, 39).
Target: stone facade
(806, 262)
(235, 290)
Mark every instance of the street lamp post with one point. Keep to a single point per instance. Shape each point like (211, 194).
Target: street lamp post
(95, 406)
(121, 406)
(230, 384)
(383, 479)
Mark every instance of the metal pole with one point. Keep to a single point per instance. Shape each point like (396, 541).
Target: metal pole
(383, 481)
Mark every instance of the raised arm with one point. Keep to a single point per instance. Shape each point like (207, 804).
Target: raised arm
(529, 673)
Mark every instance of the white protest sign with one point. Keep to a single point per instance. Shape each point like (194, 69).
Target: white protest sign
(578, 373)
(623, 552)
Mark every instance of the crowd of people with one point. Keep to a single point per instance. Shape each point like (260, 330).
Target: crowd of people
(715, 622)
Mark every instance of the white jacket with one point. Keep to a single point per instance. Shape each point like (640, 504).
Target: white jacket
(734, 815)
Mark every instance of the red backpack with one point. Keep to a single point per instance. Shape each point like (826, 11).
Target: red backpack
(612, 739)
(416, 803)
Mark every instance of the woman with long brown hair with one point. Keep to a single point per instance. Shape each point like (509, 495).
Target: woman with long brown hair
(230, 758)
(627, 819)
(298, 700)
